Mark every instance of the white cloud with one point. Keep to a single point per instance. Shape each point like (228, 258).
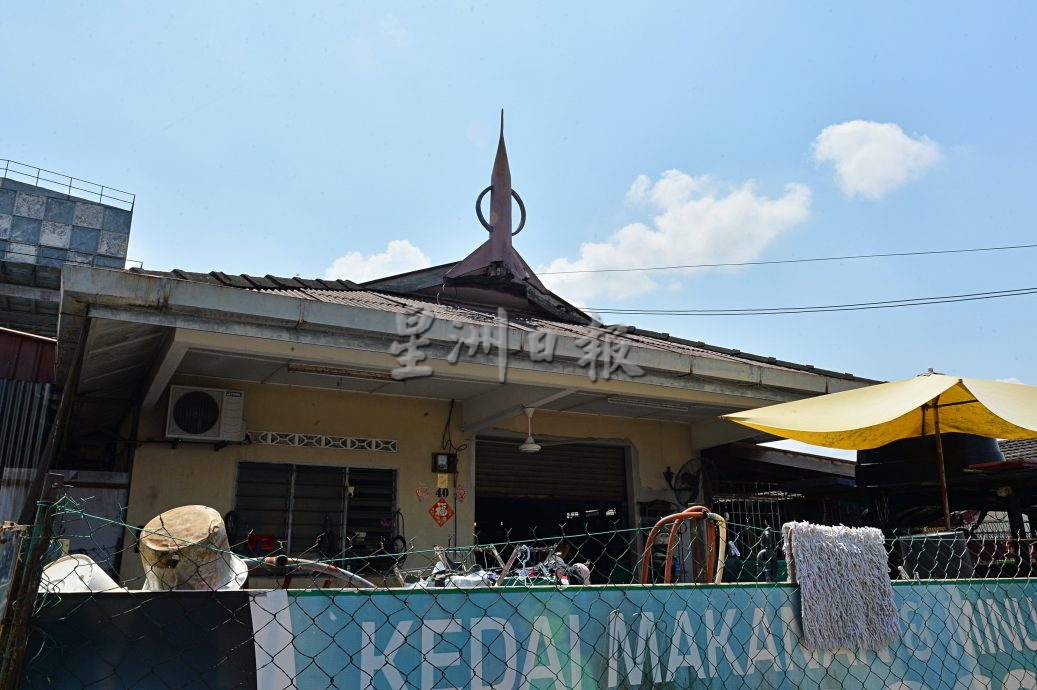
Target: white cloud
(700, 221)
(872, 159)
(1010, 379)
(399, 256)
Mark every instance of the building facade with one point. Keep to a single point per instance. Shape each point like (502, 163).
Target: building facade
(458, 404)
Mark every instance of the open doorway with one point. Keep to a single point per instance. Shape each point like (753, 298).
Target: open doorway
(571, 497)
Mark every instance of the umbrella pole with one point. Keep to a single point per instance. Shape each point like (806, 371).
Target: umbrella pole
(939, 462)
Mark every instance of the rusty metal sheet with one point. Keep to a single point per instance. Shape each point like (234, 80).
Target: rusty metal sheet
(26, 357)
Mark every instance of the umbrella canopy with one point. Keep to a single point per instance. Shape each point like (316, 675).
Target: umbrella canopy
(876, 415)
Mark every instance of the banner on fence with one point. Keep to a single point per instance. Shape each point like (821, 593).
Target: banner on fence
(955, 635)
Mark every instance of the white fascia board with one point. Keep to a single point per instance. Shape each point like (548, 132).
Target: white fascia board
(112, 288)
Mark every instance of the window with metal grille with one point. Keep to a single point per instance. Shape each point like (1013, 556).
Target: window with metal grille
(314, 512)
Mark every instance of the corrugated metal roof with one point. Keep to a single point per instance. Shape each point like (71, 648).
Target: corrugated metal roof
(26, 357)
(249, 282)
(354, 295)
(473, 314)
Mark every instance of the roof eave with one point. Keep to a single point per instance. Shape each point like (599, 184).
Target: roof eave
(169, 301)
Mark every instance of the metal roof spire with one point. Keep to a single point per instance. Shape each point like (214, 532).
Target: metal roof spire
(496, 259)
(500, 196)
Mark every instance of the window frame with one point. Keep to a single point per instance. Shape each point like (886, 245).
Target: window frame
(288, 515)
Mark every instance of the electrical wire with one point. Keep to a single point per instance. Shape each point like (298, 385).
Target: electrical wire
(857, 306)
(447, 443)
(447, 439)
(795, 261)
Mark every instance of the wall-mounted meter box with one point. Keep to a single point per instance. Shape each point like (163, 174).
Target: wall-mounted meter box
(444, 462)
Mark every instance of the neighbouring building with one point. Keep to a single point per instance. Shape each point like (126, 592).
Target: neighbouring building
(47, 220)
(26, 380)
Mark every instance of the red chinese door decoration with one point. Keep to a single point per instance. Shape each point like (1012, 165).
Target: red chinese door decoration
(441, 512)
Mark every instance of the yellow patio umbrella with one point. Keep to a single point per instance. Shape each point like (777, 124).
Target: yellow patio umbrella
(929, 404)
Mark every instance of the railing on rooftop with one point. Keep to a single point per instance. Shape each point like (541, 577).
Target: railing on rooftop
(85, 259)
(72, 187)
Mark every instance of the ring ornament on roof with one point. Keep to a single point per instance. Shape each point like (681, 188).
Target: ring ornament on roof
(482, 219)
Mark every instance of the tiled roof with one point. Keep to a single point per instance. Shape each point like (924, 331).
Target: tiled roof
(248, 282)
(351, 294)
(1019, 450)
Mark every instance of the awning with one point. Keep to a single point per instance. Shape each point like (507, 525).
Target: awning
(876, 415)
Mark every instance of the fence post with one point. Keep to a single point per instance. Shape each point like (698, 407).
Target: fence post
(25, 586)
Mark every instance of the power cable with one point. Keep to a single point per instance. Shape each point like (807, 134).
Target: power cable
(857, 306)
(794, 261)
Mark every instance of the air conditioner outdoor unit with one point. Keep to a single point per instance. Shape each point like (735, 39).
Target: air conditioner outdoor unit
(205, 414)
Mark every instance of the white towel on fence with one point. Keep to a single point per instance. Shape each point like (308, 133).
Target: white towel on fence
(846, 599)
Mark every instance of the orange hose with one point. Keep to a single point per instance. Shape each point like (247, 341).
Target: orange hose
(668, 568)
(690, 513)
(646, 559)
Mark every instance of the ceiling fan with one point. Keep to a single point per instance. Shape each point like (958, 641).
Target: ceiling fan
(529, 445)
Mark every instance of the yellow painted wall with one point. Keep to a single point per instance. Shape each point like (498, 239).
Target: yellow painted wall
(164, 477)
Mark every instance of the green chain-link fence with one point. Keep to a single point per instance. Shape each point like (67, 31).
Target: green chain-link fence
(566, 610)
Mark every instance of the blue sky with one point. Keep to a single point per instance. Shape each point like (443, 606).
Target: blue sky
(280, 138)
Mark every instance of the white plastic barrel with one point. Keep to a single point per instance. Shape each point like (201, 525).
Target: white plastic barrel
(76, 573)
